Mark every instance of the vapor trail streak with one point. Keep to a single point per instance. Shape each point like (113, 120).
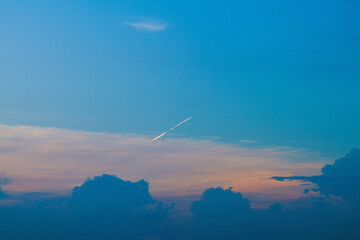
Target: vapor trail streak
(159, 136)
(171, 129)
(179, 124)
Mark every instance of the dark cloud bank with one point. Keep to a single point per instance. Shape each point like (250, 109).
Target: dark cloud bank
(107, 207)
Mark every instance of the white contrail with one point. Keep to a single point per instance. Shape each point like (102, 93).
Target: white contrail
(171, 129)
(179, 124)
(159, 136)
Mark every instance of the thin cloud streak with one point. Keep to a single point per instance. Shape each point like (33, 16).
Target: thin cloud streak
(148, 26)
(179, 124)
(158, 136)
(171, 129)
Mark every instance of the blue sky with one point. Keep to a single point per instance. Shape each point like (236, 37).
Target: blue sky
(272, 88)
(282, 73)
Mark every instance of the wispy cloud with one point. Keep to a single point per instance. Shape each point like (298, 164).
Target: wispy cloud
(151, 26)
(41, 159)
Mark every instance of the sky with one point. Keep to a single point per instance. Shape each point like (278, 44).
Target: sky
(277, 72)
(259, 100)
(271, 86)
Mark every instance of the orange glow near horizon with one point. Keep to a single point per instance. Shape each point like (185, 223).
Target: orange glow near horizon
(50, 159)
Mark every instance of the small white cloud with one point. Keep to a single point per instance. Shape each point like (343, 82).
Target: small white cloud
(151, 26)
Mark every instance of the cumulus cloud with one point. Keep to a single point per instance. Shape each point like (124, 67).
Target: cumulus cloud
(102, 210)
(225, 214)
(229, 201)
(151, 26)
(218, 213)
(218, 204)
(105, 207)
(341, 179)
(109, 193)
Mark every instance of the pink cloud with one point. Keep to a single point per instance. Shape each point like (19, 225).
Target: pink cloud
(51, 159)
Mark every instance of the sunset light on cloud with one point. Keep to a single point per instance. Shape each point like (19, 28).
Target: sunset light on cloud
(50, 159)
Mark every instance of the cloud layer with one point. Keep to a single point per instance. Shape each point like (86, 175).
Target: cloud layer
(107, 207)
(50, 159)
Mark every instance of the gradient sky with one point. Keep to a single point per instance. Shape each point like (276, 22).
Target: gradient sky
(259, 74)
(278, 72)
